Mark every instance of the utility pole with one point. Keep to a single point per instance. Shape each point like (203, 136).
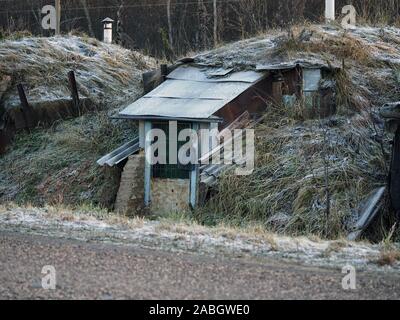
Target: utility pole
(58, 16)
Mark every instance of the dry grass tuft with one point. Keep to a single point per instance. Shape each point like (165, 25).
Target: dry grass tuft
(89, 213)
(289, 178)
(300, 162)
(57, 165)
(388, 258)
(108, 74)
(186, 224)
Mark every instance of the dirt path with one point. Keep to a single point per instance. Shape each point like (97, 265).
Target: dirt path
(105, 271)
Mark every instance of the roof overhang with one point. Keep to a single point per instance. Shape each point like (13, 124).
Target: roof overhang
(158, 118)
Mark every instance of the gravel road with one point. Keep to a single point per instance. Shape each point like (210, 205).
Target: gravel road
(104, 271)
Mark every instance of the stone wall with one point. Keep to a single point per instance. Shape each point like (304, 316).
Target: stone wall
(130, 198)
(169, 195)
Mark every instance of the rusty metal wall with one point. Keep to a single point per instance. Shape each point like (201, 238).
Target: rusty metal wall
(271, 89)
(254, 100)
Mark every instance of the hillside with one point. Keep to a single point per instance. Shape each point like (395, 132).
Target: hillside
(108, 74)
(58, 164)
(301, 162)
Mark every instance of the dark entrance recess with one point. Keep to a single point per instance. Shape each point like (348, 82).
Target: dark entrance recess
(171, 171)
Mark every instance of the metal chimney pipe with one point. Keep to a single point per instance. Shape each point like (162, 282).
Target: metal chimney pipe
(108, 26)
(329, 10)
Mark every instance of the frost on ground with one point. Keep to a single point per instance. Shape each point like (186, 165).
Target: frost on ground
(107, 74)
(57, 164)
(370, 56)
(174, 236)
(300, 162)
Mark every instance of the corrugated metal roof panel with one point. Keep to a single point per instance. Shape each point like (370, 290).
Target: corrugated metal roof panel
(191, 93)
(174, 108)
(210, 174)
(219, 72)
(202, 90)
(205, 75)
(120, 154)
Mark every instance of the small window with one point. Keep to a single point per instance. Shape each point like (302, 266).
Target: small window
(311, 79)
(311, 86)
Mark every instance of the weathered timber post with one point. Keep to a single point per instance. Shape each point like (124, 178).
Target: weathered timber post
(170, 37)
(74, 93)
(164, 72)
(215, 22)
(58, 16)
(29, 116)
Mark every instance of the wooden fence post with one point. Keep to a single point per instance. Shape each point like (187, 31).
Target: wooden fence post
(58, 16)
(74, 93)
(28, 112)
